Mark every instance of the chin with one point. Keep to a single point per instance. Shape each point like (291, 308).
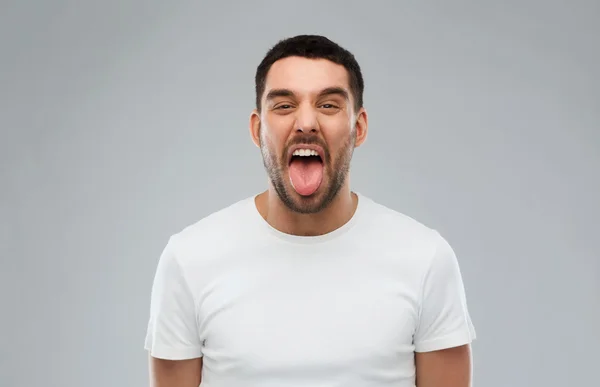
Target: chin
(307, 204)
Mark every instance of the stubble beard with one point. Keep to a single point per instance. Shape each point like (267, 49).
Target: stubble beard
(336, 172)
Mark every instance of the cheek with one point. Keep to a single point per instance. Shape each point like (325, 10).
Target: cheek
(338, 137)
(338, 125)
(273, 140)
(277, 128)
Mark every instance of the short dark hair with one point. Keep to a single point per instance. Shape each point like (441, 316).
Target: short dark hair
(312, 47)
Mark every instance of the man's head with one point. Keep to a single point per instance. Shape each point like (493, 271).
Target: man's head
(308, 119)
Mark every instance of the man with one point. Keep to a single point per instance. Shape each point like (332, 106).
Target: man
(308, 283)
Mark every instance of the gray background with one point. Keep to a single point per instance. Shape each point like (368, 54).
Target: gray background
(124, 121)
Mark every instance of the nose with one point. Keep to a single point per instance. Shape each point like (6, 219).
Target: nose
(306, 120)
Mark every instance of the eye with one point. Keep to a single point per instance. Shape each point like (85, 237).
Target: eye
(329, 106)
(283, 107)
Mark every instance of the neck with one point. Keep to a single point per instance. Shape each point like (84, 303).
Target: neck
(338, 213)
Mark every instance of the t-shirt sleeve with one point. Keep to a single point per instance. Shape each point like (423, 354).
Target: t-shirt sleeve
(172, 331)
(444, 320)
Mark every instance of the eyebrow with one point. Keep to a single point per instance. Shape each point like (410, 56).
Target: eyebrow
(334, 91)
(275, 93)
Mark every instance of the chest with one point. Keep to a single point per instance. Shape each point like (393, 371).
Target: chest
(338, 318)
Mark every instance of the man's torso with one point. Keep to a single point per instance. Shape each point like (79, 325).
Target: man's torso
(337, 310)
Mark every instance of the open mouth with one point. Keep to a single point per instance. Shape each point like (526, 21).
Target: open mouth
(306, 171)
(306, 155)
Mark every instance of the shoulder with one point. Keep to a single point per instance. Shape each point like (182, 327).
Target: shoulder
(396, 226)
(214, 234)
(417, 246)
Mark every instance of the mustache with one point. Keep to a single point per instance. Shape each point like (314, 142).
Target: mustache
(308, 140)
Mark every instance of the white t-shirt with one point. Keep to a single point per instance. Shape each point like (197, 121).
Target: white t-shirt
(268, 309)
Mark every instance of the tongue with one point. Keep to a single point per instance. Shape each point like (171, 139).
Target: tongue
(306, 174)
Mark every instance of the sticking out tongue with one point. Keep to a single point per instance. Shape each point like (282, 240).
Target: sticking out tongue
(306, 173)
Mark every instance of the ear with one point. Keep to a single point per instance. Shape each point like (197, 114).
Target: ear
(362, 127)
(254, 127)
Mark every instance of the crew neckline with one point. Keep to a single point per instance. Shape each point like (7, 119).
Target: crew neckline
(308, 240)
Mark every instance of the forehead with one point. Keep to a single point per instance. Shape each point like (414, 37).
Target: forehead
(306, 76)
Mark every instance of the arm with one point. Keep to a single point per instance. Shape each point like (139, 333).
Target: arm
(445, 331)
(180, 373)
(173, 339)
(446, 367)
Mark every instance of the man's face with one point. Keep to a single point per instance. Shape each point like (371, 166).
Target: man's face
(307, 131)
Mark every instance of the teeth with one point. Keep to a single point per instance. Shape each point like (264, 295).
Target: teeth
(305, 152)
